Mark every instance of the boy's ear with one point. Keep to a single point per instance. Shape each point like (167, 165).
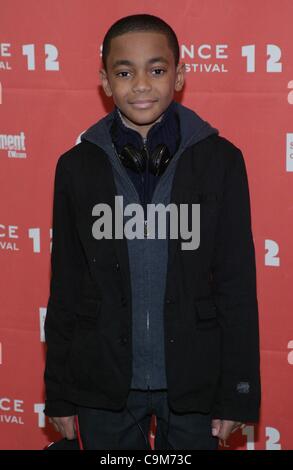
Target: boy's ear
(180, 74)
(105, 82)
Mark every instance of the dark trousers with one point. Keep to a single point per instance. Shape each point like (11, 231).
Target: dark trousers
(129, 428)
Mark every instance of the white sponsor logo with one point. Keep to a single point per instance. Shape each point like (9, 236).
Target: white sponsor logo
(289, 152)
(14, 144)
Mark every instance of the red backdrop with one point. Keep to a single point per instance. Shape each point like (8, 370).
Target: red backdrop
(239, 62)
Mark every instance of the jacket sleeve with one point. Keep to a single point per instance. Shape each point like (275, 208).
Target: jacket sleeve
(235, 294)
(64, 293)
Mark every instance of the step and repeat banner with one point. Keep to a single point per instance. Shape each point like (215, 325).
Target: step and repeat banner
(239, 77)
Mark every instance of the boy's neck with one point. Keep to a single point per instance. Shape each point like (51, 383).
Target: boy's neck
(142, 130)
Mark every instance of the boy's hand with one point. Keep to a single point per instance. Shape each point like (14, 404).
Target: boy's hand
(65, 425)
(222, 428)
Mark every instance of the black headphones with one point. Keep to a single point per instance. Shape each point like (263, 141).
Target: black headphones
(136, 159)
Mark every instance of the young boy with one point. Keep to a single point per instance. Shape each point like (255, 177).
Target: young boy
(147, 325)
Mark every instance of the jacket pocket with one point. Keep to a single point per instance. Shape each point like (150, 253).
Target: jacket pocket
(89, 313)
(205, 314)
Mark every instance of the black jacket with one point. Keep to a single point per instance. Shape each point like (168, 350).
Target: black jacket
(211, 311)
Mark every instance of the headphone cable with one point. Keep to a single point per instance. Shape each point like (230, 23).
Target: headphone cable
(144, 436)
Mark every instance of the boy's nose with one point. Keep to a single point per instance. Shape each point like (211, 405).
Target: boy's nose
(141, 83)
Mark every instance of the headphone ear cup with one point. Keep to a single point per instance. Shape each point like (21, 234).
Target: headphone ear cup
(132, 158)
(159, 160)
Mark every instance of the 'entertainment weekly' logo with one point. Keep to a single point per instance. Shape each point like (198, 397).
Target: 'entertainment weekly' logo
(13, 144)
(161, 222)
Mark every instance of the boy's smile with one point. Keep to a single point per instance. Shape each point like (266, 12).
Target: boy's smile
(142, 77)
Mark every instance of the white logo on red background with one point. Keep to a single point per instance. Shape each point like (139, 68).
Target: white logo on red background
(289, 152)
(11, 411)
(14, 145)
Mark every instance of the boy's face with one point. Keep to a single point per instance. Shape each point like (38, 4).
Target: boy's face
(139, 78)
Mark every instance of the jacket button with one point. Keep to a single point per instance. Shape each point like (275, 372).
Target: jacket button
(169, 301)
(123, 340)
(94, 260)
(171, 340)
(117, 267)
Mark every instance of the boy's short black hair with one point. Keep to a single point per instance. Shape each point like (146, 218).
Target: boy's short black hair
(140, 22)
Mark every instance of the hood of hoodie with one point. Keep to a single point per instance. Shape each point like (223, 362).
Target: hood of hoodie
(193, 129)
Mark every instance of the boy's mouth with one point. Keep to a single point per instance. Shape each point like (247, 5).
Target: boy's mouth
(143, 104)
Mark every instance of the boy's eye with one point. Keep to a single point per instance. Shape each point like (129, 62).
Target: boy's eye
(160, 70)
(154, 70)
(119, 74)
